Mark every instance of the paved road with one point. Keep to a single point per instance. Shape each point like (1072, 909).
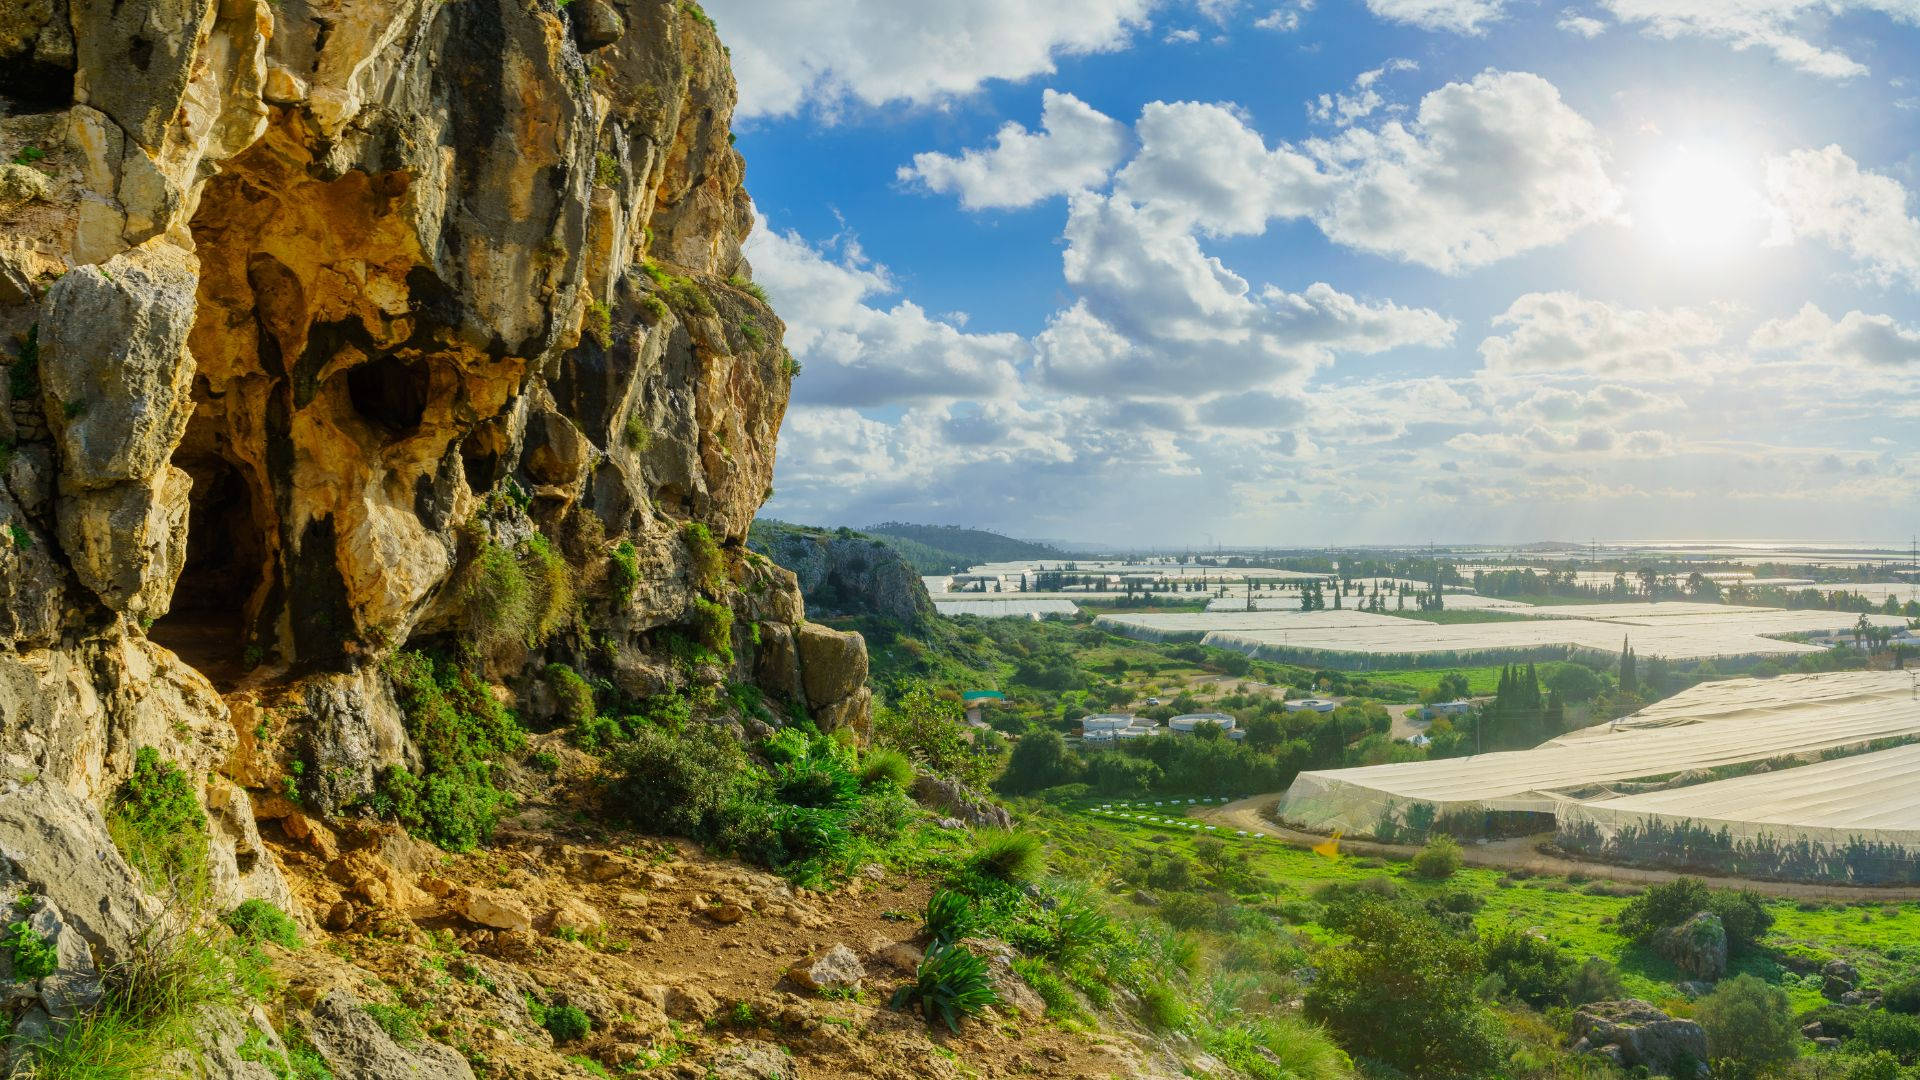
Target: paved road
(1521, 853)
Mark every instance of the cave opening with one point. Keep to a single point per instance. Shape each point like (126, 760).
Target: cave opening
(34, 86)
(391, 392)
(208, 622)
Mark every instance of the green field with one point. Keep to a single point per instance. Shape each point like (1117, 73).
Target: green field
(1480, 680)
(1882, 940)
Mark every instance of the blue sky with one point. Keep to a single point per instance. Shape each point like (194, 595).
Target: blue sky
(1344, 272)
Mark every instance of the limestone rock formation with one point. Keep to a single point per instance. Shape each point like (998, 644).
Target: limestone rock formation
(1698, 947)
(842, 572)
(340, 331)
(1633, 1033)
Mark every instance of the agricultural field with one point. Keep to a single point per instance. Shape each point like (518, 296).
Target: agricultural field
(1576, 913)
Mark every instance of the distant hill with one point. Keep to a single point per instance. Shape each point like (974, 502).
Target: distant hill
(969, 547)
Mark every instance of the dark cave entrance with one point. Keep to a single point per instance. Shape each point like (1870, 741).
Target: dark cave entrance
(391, 393)
(209, 621)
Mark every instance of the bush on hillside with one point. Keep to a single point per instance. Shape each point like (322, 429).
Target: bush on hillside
(1439, 860)
(1749, 1022)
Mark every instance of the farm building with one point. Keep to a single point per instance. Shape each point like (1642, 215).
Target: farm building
(1188, 723)
(1649, 787)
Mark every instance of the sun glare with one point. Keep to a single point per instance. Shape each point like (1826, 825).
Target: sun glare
(1697, 202)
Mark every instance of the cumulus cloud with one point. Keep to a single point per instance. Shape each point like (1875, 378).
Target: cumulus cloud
(1076, 148)
(1824, 195)
(1776, 26)
(1284, 20)
(1603, 402)
(1487, 169)
(859, 354)
(1855, 339)
(1565, 332)
(788, 54)
(1157, 315)
(1202, 166)
(1458, 16)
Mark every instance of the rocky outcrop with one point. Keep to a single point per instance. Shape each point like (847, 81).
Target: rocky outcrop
(1698, 947)
(842, 572)
(957, 800)
(327, 326)
(1633, 1033)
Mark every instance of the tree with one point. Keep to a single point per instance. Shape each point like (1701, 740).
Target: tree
(1748, 1021)
(931, 732)
(1402, 993)
(1532, 969)
(1629, 680)
(1039, 760)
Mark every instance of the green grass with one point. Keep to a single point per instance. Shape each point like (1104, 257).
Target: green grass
(1581, 922)
(1480, 680)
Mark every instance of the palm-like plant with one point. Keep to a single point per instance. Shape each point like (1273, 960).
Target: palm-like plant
(951, 985)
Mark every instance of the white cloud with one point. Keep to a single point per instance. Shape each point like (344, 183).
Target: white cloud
(1077, 148)
(1345, 109)
(1458, 16)
(1606, 401)
(1202, 166)
(1184, 36)
(1285, 19)
(1857, 339)
(858, 354)
(1564, 332)
(788, 54)
(1157, 315)
(1824, 195)
(1781, 27)
(1486, 170)
(1584, 25)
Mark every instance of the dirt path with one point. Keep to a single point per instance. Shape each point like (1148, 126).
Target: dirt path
(1521, 853)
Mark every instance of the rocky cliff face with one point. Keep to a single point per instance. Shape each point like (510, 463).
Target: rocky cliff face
(842, 572)
(331, 324)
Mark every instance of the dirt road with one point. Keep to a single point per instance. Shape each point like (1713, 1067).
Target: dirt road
(1521, 853)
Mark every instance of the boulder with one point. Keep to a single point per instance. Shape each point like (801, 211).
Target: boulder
(1634, 1033)
(495, 910)
(574, 915)
(838, 968)
(833, 663)
(1838, 979)
(1698, 947)
(21, 184)
(752, 1061)
(959, 800)
(355, 1047)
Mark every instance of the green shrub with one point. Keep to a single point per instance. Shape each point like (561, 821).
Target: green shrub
(1439, 860)
(1532, 969)
(606, 169)
(1402, 993)
(1895, 1033)
(1039, 761)
(1064, 931)
(99, 1044)
(639, 436)
(1743, 914)
(1594, 980)
(1879, 1065)
(33, 955)
(1902, 997)
(751, 288)
(1748, 1021)
(258, 920)
(462, 731)
(508, 596)
(1162, 1007)
(885, 765)
(1015, 858)
(713, 628)
(931, 731)
(156, 821)
(624, 572)
(566, 1023)
(575, 697)
(704, 556)
(950, 985)
(949, 917)
(600, 323)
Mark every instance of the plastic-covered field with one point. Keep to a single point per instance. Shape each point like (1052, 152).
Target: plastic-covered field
(1011, 607)
(1675, 631)
(1290, 601)
(1711, 725)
